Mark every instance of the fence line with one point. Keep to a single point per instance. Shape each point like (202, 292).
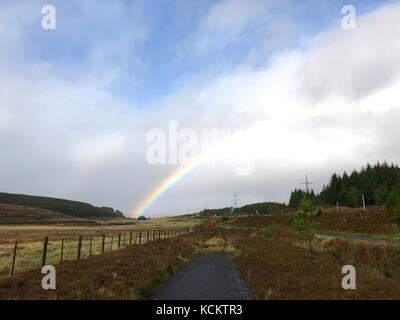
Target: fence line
(139, 239)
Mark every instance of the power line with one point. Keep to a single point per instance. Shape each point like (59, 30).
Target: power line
(307, 183)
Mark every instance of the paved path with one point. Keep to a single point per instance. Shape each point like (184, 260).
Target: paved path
(208, 277)
(354, 237)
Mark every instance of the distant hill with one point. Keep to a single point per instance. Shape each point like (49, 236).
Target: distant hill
(11, 214)
(68, 207)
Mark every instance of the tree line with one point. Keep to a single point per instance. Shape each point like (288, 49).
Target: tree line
(375, 183)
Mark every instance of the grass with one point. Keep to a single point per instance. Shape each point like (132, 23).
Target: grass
(375, 222)
(274, 264)
(131, 273)
(29, 254)
(276, 267)
(31, 225)
(30, 243)
(279, 268)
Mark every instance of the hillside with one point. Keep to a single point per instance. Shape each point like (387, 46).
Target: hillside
(68, 207)
(374, 221)
(262, 208)
(11, 214)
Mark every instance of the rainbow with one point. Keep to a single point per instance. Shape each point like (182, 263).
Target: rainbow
(169, 182)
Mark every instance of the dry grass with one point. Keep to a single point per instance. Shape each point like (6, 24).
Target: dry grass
(374, 222)
(29, 254)
(30, 241)
(132, 273)
(279, 267)
(273, 263)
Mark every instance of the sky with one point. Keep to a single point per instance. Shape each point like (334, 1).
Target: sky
(116, 100)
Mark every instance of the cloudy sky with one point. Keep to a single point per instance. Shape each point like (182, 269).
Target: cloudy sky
(78, 103)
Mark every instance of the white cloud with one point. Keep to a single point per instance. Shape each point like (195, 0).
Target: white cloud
(354, 63)
(315, 111)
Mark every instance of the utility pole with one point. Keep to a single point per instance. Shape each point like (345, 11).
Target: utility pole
(205, 205)
(234, 203)
(363, 200)
(307, 183)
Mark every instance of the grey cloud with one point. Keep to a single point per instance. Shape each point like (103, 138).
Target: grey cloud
(354, 63)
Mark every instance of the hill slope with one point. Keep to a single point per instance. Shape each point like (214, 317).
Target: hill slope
(11, 214)
(68, 207)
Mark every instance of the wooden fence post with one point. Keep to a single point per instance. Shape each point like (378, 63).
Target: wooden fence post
(148, 235)
(154, 234)
(13, 260)
(159, 234)
(165, 233)
(78, 256)
(90, 246)
(44, 254)
(124, 238)
(102, 243)
(119, 240)
(140, 237)
(62, 251)
(112, 240)
(130, 239)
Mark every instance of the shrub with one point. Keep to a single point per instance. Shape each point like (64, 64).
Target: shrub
(209, 224)
(197, 227)
(393, 206)
(222, 219)
(281, 233)
(243, 249)
(267, 234)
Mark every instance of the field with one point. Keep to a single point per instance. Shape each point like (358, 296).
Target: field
(274, 264)
(31, 225)
(373, 222)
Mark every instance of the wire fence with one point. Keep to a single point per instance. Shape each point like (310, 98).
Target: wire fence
(24, 256)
